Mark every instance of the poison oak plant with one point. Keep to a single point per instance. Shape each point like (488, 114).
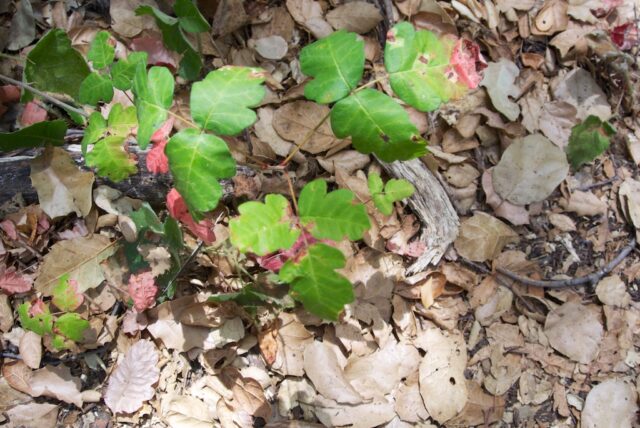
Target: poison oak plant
(423, 71)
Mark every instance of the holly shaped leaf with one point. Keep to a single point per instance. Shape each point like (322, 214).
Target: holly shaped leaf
(123, 71)
(122, 121)
(102, 50)
(153, 98)
(66, 296)
(197, 161)
(95, 129)
(72, 326)
(189, 17)
(316, 284)
(336, 63)
(36, 135)
(384, 195)
(417, 62)
(263, 228)
(110, 159)
(588, 140)
(222, 102)
(36, 317)
(377, 124)
(331, 215)
(95, 88)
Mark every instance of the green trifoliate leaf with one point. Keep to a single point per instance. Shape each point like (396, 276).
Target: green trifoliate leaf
(66, 296)
(95, 88)
(331, 215)
(222, 102)
(416, 62)
(377, 124)
(36, 135)
(385, 195)
(101, 51)
(122, 120)
(336, 63)
(588, 140)
(110, 159)
(263, 228)
(94, 131)
(41, 323)
(123, 71)
(189, 17)
(72, 326)
(153, 98)
(54, 66)
(316, 284)
(197, 161)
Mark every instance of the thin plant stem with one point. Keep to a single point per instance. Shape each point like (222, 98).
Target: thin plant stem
(44, 95)
(293, 193)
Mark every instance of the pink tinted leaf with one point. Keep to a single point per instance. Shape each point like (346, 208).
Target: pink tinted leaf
(38, 307)
(32, 113)
(143, 290)
(157, 53)
(625, 36)
(467, 62)
(163, 132)
(9, 94)
(12, 282)
(274, 261)
(10, 229)
(157, 161)
(66, 296)
(134, 322)
(131, 383)
(178, 209)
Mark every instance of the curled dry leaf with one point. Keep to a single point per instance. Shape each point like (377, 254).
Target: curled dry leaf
(482, 237)
(584, 203)
(130, 385)
(308, 13)
(575, 330)
(611, 404)
(56, 382)
(357, 16)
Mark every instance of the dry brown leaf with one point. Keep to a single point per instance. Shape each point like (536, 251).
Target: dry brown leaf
(18, 375)
(187, 411)
(365, 415)
(294, 392)
(579, 89)
(62, 186)
(294, 120)
(613, 291)
(569, 38)
(292, 338)
(409, 403)
(482, 237)
(515, 214)
(56, 382)
(281, 24)
(534, 387)
(130, 384)
(308, 13)
(348, 161)
(629, 196)
(551, 19)
(584, 203)
(266, 133)
(499, 79)
(229, 17)
(432, 288)
(124, 20)
(357, 16)
(6, 314)
(505, 371)
(461, 175)
(249, 397)
(556, 121)
(481, 409)
(158, 258)
(610, 404)
(32, 415)
(271, 47)
(575, 330)
(31, 349)
(564, 223)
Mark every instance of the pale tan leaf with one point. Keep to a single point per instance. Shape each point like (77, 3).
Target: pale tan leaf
(266, 133)
(515, 214)
(308, 13)
(610, 404)
(575, 330)
(551, 19)
(579, 89)
(33, 415)
(357, 16)
(271, 47)
(482, 237)
(292, 338)
(499, 79)
(293, 121)
(584, 203)
(18, 375)
(56, 382)
(365, 415)
(31, 349)
(124, 20)
(611, 290)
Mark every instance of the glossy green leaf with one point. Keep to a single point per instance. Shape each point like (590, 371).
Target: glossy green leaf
(54, 66)
(316, 284)
(377, 124)
(123, 71)
(95, 88)
(110, 159)
(588, 140)
(146, 218)
(173, 236)
(336, 63)
(122, 121)
(42, 323)
(66, 296)
(36, 135)
(384, 195)
(153, 98)
(197, 161)
(101, 51)
(189, 17)
(331, 215)
(72, 326)
(263, 228)
(94, 131)
(222, 102)
(417, 63)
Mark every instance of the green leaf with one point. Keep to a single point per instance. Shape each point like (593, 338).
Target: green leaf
(123, 71)
(54, 66)
(94, 131)
(36, 135)
(122, 120)
(332, 215)
(173, 236)
(385, 195)
(72, 326)
(190, 64)
(42, 323)
(197, 161)
(153, 98)
(417, 62)
(222, 102)
(588, 140)
(377, 124)
(146, 218)
(110, 159)
(316, 284)
(336, 62)
(189, 17)
(95, 88)
(66, 296)
(101, 52)
(263, 228)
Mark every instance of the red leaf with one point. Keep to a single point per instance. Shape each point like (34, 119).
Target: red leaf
(163, 132)
(9, 94)
(157, 53)
(467, 62)
(178, 210)
(625, 36)
(11, 282)
(274, 261)
(37, 307)
(143, 290)
(32, 113)
(157, 161)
